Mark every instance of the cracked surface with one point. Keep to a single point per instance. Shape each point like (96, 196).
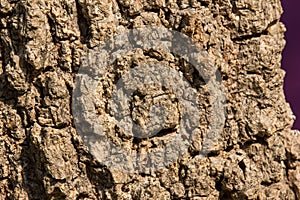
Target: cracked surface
(42, 155)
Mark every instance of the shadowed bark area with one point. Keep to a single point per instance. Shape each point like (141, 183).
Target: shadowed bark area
(42, 156)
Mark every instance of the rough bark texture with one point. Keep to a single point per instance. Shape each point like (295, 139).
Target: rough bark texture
(42, 155)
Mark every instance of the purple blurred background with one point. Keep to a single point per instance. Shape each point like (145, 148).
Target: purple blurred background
(291, 55)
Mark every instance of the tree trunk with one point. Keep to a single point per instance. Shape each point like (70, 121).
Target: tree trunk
(50, 151)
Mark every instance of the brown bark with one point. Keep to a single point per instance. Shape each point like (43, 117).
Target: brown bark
(42, 154)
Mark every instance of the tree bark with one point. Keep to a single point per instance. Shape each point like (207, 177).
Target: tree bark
(43, 156)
